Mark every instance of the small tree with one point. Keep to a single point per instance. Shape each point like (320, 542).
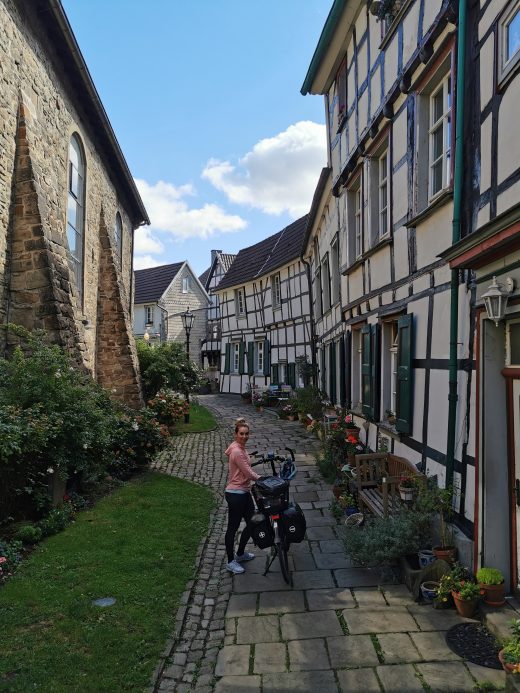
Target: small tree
(166, 366)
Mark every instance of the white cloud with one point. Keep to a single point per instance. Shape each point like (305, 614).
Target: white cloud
(169, 212)
(279, 174)
(144, 241)
(145, 261)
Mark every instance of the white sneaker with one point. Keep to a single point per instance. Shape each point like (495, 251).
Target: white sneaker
(246, 556)
(235, 568)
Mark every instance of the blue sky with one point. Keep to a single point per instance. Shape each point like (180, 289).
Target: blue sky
(204, 98)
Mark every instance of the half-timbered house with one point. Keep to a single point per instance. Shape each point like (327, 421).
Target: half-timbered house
(387, 73)
(489, 248)
(264, 312)
(210, 344)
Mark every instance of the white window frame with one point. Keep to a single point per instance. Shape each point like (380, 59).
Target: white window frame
(383, 207)
(235, 357)
(389, 354)
(240, 302)
(186, 284)
(358, 221)
(259, 357)
(509, 361)
(318, 291)
(118, 235)
(76, 209)
(276, 289)
(441, 124)
(335, 279)
(148, 315)
(507, 62)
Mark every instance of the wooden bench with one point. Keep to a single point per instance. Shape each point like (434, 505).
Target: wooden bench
(377, 478)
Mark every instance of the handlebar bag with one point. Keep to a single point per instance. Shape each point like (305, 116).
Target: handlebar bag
(261, 531)
(272, 486)
(294, 523)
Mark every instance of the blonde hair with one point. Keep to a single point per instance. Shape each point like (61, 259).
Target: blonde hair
(240, 422)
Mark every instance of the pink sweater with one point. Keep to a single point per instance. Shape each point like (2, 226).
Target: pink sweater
(240, 473)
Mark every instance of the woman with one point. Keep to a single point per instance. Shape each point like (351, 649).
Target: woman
(238, 497)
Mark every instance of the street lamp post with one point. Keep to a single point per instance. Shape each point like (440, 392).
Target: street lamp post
(187, 322)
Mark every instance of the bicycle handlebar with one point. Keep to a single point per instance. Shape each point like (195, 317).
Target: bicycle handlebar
(272, 460)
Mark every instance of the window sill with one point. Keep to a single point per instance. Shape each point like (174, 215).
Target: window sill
(389, 430)
(383, 242)
(393, 27)
(438, 202)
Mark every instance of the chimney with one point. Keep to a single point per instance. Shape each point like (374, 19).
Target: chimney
(214, 255)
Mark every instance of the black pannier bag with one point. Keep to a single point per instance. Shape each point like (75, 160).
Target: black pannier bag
(272, 486)
(271, 494)
(261, 531)
(294, 523)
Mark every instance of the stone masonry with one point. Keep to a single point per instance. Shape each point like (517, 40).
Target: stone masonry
(336, 630)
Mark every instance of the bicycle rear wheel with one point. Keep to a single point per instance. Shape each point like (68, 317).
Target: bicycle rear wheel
(281, 550)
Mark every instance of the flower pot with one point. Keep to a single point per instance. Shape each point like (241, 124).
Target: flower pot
(351, 510)
(407, 493)
(446, 553)
(465, 607)
(426, 556)
(337, 490)
(429, 590)
(493, 594)
(354, 432)
(506, 666)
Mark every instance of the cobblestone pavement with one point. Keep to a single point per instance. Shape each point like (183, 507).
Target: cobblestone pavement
(334, 631)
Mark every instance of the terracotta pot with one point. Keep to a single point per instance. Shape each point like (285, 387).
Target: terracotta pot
(337, 491)
(493, 594)
(465, 607)
(509, 668)
(353, 432)
(446, 553)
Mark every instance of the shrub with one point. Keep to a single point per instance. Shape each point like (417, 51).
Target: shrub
(168, 407)
(490, 576)
(28, 534)
(166, 366)
(310, 401)
(469, 591)
(10, 557)
(57, 520)
(137, 438)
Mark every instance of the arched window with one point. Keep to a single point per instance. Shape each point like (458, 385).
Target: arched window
(76, 209)
(118, 234)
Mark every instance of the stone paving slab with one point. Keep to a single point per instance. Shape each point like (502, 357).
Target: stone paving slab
(316, 624)
(372, 598)
(387, 620)
(233, 660)
(356, 577)
(429, 618)
(258, 583)
(485, 675)
(432, 646)
(254, 629)
(309, 579)
(331, 546)
(300, 682)
(399, 678)
(307, 655)
(335, 598)
(397, 595)
(358, 681)
(351, 651)
(317, 533)
(281, 602)
(304, 561)
(239, 684)
(447, 676)
(331, 561)
(241, 605)
(270, 658)
(398, 648)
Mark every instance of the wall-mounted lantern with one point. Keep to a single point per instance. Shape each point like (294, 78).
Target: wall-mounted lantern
(496, 298)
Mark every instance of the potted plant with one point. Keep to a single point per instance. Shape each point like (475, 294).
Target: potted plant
(391, 417)
(444, 598)
(466, 597)
(348, 503)
(407, 488)
(444, 503)
(491, 580)
(289, 411)
(426, 556)
(429, 590)
(509, 655)
(258, 400)
(350, 425)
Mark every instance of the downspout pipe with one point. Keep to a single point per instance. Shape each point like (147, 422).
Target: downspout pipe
(456, 224)
(314, 363)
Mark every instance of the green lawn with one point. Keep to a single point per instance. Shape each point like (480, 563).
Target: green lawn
(201, 420)
(137, 545)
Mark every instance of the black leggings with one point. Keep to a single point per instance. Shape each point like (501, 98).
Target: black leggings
(240, 506)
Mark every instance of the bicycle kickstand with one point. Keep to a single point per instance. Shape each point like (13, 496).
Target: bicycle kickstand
(275, 554)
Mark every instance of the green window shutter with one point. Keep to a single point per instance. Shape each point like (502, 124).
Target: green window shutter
(250, 358)
(404, 373)
(291, 374)
(241, 359)
(267, 358)
(342, 374)
(274, 376)
(332, 372)
(366, 371)
(323, 370)
(227, 359)
(375, 369)
(348, 369)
